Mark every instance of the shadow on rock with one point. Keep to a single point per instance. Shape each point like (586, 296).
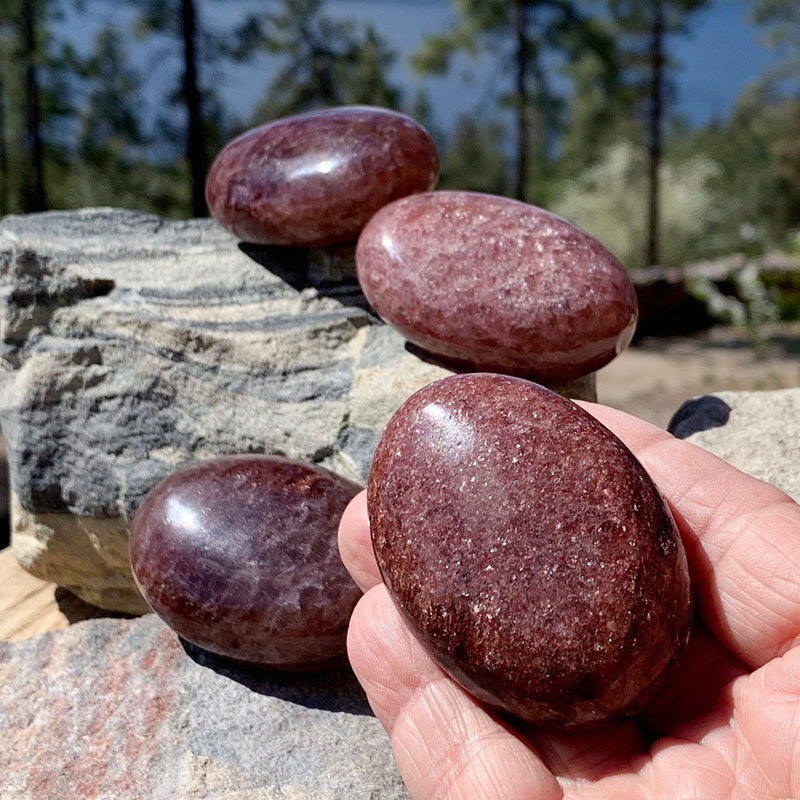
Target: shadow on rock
(699, 414)
(335, 689)
(77, 610)
(331, 271)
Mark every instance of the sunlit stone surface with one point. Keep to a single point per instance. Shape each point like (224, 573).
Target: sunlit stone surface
(496, 284)
(239, 555)
(315, 179)
(529, 550)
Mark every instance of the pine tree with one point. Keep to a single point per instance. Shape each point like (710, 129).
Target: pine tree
(34, 194)
(643, 32)
(326, 62)
(781, 20)
(110, 149)
(533, 40)
(200, 48)
(6, 87)
(473, 157)
(598, 114)
(36, 88)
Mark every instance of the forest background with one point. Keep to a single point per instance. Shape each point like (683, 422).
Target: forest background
(578, 114)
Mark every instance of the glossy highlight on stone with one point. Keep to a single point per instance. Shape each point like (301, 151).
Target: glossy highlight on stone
(529, 550)
(313, 180)
(496, 285)
(239, 555)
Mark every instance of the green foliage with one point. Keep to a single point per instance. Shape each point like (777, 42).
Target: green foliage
(574, 76)
(751, 305)
(532, 40)
(327, 62)
(473, 158)
(606, 200)
(110, 164)
(110, 118)
(599, 114)
(757, 188)
(781, 18)
(201, 49)
(36, 83)
(792, 245)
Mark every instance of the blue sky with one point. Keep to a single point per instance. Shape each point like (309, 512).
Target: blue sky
(718, 58)
(721, 55)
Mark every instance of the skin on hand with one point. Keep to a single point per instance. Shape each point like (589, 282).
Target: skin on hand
(728, 726)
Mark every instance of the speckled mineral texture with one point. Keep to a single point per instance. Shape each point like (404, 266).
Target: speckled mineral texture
(239, 555)
(315, 179)
(529, 550)
(119, 710)
(496, 284)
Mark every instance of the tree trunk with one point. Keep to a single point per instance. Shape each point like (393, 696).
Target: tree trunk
(523, 133)
(34, 196)
(195, 124)
(654, 126)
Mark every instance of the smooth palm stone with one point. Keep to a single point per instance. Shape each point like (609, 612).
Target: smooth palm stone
(239, 555)
(529, 550)
(315, 179)
(496, 284)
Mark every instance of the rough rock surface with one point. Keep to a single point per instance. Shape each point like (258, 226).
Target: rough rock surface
(131, 345)
(119, 708)
(757, 432)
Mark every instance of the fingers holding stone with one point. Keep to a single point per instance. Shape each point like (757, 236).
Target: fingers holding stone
(742, 538)
(446, 745)
(355, 544)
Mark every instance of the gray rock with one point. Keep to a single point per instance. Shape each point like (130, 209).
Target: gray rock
(4, 502)
(120, 708)
(757, 432)
(130, 345)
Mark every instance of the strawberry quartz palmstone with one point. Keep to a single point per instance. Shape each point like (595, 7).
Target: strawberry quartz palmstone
(529, 551)
(313, 180)
(496, 285)
(239, 555)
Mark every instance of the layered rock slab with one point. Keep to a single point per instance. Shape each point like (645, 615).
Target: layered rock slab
(119, 708)
(132, 345)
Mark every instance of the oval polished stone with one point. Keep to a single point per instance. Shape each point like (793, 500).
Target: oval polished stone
(529, 550)
(314, 180)
(496, 285)
(239, 555)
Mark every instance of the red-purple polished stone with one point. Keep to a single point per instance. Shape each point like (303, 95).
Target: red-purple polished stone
(239, 555)
(529, 550)
(496, 284)
(315, 179)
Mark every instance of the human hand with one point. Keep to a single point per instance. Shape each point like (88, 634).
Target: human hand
(728, 725)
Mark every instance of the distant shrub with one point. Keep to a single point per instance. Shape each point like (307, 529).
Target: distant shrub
(609, 200)
(752, 306)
